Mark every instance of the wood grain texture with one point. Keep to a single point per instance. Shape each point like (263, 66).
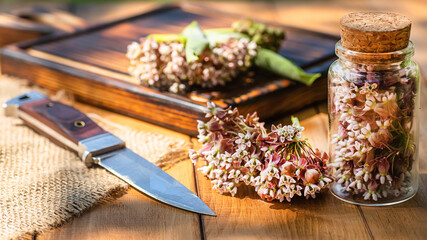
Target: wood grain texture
(135, 216)
(407, 220)
(9, 35)
(63, 119)
(92, 64)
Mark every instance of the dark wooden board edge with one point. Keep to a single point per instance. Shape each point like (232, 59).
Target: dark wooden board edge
(173, 112)
(163, 110)
(11, 35)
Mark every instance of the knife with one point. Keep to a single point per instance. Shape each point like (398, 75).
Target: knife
(70, 128)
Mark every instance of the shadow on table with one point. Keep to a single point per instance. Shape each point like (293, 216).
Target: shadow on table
(300, 202)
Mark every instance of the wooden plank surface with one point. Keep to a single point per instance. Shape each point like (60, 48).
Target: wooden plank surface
(136, 217)
(407, 220)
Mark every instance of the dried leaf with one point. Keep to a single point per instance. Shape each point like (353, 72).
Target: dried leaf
(273, 62)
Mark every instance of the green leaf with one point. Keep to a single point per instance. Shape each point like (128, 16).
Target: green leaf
(167, 37)
(196, 41)
(295, 120)
(273, 62)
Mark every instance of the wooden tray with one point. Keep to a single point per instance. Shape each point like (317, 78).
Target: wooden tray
(91, 63)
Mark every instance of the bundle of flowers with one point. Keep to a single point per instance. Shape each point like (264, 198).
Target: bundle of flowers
(374, 148)
(176, 62)
(238, 150)
(163, 65)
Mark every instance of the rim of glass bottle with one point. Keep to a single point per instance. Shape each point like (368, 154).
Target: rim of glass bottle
(374, 58)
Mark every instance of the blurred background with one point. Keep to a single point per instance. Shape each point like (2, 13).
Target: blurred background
(319, 15)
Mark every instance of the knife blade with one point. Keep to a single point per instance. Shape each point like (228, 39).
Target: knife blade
(70, 128)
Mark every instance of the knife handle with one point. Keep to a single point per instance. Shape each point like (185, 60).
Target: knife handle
(64, 125)
(65, 120)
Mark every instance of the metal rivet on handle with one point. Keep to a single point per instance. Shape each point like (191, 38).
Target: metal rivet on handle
(25, 97)
(79, 124)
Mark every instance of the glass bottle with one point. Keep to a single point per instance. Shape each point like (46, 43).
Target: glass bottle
(373, 113)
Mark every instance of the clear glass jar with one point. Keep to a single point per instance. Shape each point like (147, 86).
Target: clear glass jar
(373, 126)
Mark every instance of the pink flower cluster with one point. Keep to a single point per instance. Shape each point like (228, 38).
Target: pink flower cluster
(372, 145)
(238, 150)
(162, 65)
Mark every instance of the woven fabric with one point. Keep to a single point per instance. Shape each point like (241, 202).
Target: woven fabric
(43, 185)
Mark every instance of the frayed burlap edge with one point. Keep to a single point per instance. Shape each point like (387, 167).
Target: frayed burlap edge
(42, 186)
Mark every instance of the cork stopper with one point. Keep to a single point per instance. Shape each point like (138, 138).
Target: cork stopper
(375, 32)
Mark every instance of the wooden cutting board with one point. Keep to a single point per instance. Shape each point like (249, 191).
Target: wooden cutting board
(91, 63)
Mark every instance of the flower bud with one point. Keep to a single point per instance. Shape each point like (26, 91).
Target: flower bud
(226, 145)
(236, 164)
(312, 176)
(370, 162)
(214, 125)
(288, 168)
(372, 186)
(383, 166)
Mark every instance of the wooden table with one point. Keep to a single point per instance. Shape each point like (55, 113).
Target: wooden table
(245, 216)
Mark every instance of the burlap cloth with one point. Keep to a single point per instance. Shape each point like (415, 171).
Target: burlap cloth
(42, 185)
